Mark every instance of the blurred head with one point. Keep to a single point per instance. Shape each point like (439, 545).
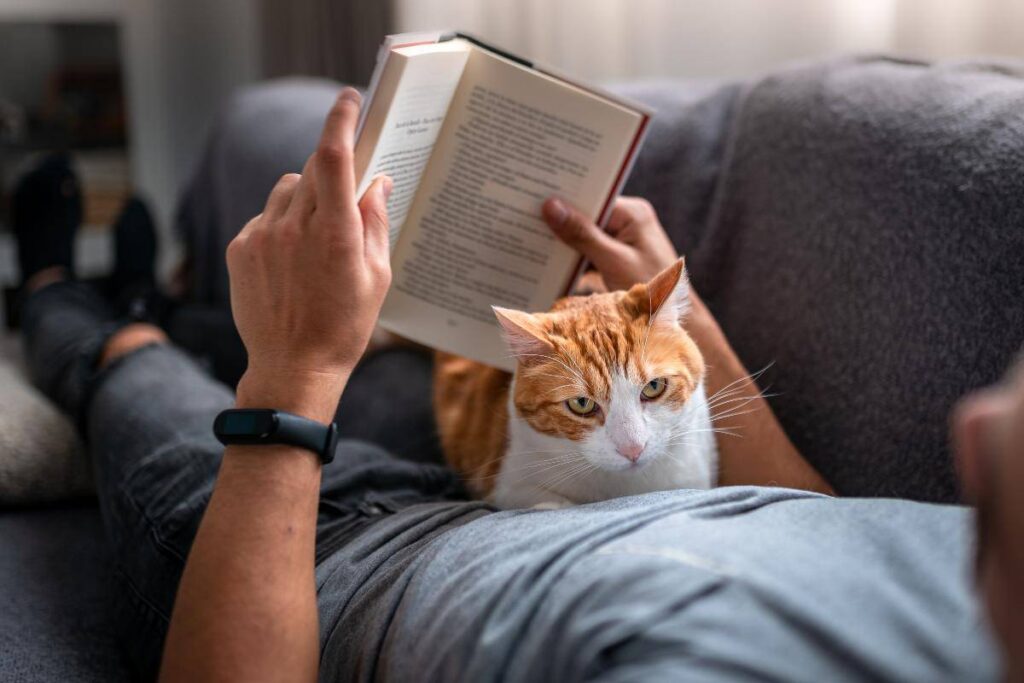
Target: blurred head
(988, 431)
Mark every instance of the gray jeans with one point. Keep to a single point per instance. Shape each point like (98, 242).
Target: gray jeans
(148, 420)
(415, 583)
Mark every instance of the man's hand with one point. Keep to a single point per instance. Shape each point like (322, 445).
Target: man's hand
(309, 274)
(633, 249)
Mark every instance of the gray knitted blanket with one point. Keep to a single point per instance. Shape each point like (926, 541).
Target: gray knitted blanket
(858, 224)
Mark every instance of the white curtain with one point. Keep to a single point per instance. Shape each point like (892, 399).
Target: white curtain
(617, 39)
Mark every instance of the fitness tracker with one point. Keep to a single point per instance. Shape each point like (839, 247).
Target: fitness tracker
(266, 427)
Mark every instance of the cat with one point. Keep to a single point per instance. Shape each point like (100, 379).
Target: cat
(607, 400)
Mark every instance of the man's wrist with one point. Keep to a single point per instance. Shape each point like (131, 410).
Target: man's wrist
(310, 394)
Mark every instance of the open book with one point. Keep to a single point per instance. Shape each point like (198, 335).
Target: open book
(475, 141)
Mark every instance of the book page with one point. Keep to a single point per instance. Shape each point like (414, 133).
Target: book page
(404, 140)
(474, 236)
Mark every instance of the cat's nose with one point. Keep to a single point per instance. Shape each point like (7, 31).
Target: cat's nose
(631, 451)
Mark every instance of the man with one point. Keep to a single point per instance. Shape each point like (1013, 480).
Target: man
(989, 433)
(374, 568)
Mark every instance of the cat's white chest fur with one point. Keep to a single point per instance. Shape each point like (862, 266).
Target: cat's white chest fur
(546, 471)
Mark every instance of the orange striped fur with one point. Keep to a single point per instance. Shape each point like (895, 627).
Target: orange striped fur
(583, 346)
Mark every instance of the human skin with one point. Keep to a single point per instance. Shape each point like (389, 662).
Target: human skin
(988, 433)
(308, 277)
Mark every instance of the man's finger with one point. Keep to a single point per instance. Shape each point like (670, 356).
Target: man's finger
(626, 211)
(581, 233)
(374, 209)
(281, 196)
(304, 200)
(335, 155)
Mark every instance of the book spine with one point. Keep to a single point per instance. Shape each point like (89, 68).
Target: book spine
(616, 190)
(489, 47)
(624, 170)
(390, 43)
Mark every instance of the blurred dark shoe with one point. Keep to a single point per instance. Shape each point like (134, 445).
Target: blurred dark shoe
(134, 247)
(132, 284)
(46, 210)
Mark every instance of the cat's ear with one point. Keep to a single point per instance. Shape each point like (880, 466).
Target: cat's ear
(668, 295)
(524, 333)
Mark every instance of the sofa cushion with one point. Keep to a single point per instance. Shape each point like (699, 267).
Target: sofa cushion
(56, 622)
(859, 225)
(41, 456)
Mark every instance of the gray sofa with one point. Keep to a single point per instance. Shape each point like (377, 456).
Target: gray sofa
(858, 226)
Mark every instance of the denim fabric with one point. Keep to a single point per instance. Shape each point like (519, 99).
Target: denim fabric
(148, 418)
(416, 584)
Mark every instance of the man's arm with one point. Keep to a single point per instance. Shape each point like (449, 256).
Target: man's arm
(308, 277)
(634, 249)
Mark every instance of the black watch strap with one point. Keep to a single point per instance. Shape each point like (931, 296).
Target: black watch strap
(253, 427)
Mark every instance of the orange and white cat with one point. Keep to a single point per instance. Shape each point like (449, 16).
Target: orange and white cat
(607, 400)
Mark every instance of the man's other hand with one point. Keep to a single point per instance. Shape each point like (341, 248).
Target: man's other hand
(309, 274)
(633, 249)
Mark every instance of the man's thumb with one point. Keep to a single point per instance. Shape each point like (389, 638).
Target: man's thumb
(579, 232)
(374, 207)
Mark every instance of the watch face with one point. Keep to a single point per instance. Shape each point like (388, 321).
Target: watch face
(251, 423)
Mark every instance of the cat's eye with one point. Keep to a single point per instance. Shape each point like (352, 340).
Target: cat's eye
(654, 389)
(581, 405)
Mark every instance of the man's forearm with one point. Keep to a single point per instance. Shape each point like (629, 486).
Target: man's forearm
(308, 277)
(246, 605)
(759, 452)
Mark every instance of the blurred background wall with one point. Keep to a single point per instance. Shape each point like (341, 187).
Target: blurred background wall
(178, 60)
(618, 39)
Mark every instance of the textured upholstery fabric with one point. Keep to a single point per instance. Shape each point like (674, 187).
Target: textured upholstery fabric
(41, 456)
(55, 586)
(858, 225)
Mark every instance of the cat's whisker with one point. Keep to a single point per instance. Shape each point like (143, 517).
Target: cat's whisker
(697, 444)
(556, 451)
(520, 477)
(570, 474)
(732, 413)
(686, 429)
(579, 474)
(736, 393)
(737, 408)
(473, 472)
(562, 467)
(730, 398)
(543, 465)
(700, 430)
(729, 431)
(726, 400)
(751, 378)
(536, 468)
(570, 469)
(541, 452)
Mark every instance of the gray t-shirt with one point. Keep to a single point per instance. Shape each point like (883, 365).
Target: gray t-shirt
(721, 585)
